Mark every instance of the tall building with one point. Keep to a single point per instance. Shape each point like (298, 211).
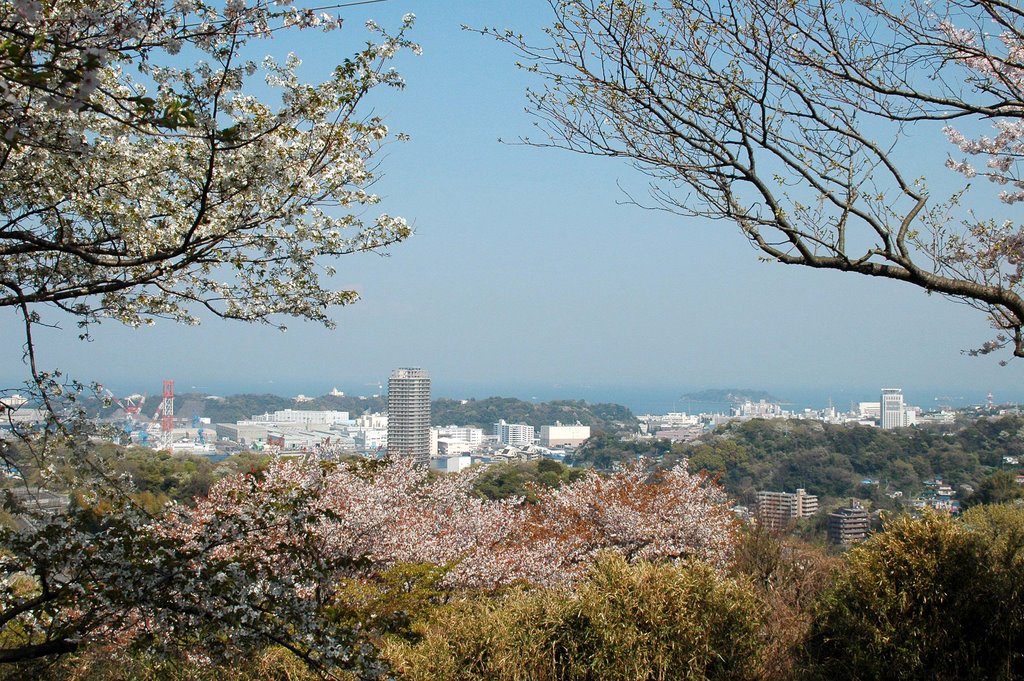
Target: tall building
(409, 414)
(893, 411)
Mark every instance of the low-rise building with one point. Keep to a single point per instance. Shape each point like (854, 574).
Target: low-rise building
(776, 509)
(516, 434)
(243, 433)
(452, 447)
(302, 417)
(469, 435)
(450, 464)
(564, 436)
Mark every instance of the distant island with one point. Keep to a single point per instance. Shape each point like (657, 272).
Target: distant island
(730, 395)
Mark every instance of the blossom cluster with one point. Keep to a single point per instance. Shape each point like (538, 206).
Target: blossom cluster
(262, 558)
(992, 70)
(137, 186)
(398, 514)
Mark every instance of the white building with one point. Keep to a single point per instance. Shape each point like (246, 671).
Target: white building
(471, 436)
(562, 436)
(375, 421)
(869, 410)
(761, 409)
(451, 447)
(517, 434)
(302, 417)
(370, 438)
(673, 419)
(893, 411)
(450, 464)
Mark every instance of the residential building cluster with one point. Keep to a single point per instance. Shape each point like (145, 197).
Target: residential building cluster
(889, 412)
(405, 430)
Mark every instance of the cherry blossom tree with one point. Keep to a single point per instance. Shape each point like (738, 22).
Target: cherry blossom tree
(398, 513)
(798, 121)
(260, 561)
(151, 166)
(142, 178)
(154, 165)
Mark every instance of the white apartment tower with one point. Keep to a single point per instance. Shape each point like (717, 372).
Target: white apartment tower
(893, 411)
(409, 414)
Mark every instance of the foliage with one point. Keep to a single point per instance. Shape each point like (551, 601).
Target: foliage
(605, 451)
(1000, 487)
(792, 120)
(486, 412)
(392, 599)
(927, 598)
(397, 513)
(1001, 531)
(271, 664)
(159, 589)
(137, 186)
(231, 408)
(142, 177)
(833, 460)
(321, 558)
(787, 576)
(523, 479)
(476, 413)
(640, 621)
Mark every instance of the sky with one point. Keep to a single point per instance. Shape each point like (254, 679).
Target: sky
(527, 274)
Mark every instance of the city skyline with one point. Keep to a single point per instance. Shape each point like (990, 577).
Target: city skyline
(529, 272)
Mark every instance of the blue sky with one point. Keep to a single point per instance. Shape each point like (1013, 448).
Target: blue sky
(527, 274)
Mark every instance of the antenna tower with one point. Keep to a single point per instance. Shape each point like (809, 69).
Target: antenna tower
(167, 415)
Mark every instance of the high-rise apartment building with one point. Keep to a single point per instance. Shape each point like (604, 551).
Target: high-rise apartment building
(409, 414)
(893, 411)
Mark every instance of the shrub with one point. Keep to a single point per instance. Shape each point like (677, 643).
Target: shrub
(625, 621)
(928, 598)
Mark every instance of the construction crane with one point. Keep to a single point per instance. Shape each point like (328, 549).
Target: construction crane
(197, 423)
(130, 405)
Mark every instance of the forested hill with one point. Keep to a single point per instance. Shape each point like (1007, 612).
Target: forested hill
(834, 461)
(730, 395)
(485, 413)
(480, 413)
(238, 407)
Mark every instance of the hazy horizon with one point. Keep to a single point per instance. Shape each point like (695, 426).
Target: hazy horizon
(640, 399)
(528, 270)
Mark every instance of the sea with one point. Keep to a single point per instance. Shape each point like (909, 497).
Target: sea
(640, 399)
